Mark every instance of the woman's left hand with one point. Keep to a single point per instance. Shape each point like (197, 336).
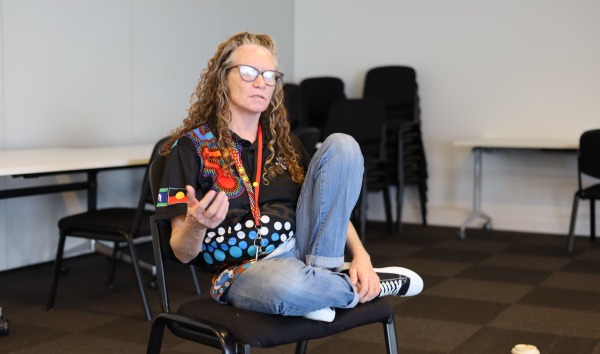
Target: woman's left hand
(365, 279)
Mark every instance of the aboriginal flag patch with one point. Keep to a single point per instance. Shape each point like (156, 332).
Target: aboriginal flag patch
(170, 196)
(177, 195)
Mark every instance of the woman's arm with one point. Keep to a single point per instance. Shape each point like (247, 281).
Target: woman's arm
(187, 232)
(361, 271)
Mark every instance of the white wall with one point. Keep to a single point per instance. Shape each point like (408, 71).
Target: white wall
(486, 69)
(104, 72)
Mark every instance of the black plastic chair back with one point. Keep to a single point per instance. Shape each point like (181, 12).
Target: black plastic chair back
(589, 153)
(294, 104)
(319, 94)
(156, 173)
(364, 120)
(395, 85)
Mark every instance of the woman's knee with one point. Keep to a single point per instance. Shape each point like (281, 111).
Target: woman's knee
(342, 146)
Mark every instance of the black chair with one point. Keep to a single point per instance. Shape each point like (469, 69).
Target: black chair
(233, 330)
(117, 225)
(318, 94)
(294, 104)
(364, 120)
(407, 164)
(310, 137)
(588, 163)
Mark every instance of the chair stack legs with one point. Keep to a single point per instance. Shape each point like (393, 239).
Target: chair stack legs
(592, 220)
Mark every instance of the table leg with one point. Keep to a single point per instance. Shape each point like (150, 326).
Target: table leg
(476, 213)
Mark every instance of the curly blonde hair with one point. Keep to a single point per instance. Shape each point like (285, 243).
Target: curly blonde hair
(209, 104)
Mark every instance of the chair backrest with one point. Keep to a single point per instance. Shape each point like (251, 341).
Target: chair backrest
(397, 87)
(310, 137)
(363, 119)
(146, 193)
(155, 174)
(294, 104)
(589, 153)
(161, 234)
(164, 230)
(319, 94)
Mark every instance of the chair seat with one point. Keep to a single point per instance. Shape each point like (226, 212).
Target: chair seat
(262, 330)
(109, 221)
(591, 192)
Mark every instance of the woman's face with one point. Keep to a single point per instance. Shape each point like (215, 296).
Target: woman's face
(250, 99)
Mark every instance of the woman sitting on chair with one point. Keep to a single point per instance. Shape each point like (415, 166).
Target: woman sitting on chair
(245, 200)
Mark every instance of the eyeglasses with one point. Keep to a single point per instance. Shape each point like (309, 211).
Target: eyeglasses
(249, 74)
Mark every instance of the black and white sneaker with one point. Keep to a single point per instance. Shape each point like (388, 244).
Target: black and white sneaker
(325, 315)
(399, 281)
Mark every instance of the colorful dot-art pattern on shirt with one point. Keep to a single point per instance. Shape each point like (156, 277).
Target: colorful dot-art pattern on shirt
(233, 244)
(238, 243)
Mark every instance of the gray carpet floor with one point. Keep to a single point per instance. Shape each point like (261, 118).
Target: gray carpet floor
(482, 295)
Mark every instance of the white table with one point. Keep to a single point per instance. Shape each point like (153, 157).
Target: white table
(53, 161)
(479, 145)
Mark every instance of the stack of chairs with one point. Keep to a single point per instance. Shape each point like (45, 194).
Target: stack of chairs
(319, 94)
(294, 104)
(325, 110)
(397, 87)
(364, 120)
(296, 110)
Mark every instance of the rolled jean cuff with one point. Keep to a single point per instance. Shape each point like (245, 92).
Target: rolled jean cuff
(324, 262)
(354, 301)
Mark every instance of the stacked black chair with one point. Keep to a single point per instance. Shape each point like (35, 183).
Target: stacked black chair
(319, 93)
(294, 104)
(232, 330)
(364, 120)
(406, 160)
(310, 137)
(588, 164)
(296, 110)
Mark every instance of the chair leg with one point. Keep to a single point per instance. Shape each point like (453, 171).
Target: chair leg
(389, 330)
(362, 210)
(301, 347)
(571, 237)
(388, 208)
(56, 272)
(592, 220)
(195, 280)
(400, 181)
(113, 267)
(423, 197)
(138, 276)
(157, 332)
(399, 203)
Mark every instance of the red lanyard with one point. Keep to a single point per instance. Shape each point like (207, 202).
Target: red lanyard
(252, 193)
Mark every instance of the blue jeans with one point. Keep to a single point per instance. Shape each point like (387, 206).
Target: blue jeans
(298, 280)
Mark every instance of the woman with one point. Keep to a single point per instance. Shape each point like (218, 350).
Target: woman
(244, 199)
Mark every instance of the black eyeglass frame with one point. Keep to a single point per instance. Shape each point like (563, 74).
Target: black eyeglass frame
(277, 75)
